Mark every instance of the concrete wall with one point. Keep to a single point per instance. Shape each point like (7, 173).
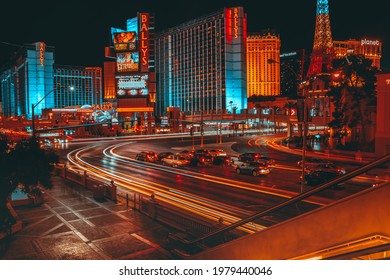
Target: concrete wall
(350, 219)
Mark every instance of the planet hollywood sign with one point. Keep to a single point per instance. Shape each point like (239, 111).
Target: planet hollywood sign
(369, 42)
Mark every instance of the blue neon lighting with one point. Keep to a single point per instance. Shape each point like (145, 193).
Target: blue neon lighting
(322, 7)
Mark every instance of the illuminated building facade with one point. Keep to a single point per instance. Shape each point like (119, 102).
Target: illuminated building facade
(201, 64)
(78, 86)
(263, 78)
(371, 49)
(27, 80)
(131, 69)
(32, 74)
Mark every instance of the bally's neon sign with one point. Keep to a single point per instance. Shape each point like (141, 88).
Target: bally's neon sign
(42, 54)
(369, 42)
(144, 30)
(235, 26)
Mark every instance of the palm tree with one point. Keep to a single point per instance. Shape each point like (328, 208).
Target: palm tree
(353, 90)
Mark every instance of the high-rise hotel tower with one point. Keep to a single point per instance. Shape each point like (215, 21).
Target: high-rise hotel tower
(263, 78)
(201, 64)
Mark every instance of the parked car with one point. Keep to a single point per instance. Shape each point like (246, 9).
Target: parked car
(147, 156)
(318, 177)
(175, 161)
(162, 155)
(252, 167)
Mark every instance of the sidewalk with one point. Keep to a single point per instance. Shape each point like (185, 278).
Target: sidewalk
(71, 225)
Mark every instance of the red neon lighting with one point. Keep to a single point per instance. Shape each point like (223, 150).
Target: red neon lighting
(228, 25)
(144, 40)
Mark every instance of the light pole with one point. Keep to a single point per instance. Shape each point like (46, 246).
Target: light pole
(35, 105)
(301, 99)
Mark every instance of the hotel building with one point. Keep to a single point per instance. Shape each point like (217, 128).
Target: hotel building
(263, 78)
(201, 64)
(32, 74)
(79, 86)
(371, 49)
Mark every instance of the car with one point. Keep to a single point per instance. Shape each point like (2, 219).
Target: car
(175, 161)
(267, 160)
(254, 168)
(162, 155)
(318, 177)
(217, 152)
(186, 153)
(331, 167)
(249, 157)
(201, 159)
(313, 162)
(147, 156)
(201, 151)
(222, 160)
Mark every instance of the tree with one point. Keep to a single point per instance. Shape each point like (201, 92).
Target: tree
(352, 91)
(26, 166)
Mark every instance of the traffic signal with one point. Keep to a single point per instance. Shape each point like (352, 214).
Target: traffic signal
(191, 131)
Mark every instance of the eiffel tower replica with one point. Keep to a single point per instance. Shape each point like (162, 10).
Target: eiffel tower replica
(323, 52)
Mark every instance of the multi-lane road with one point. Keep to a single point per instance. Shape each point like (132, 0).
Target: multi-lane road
(214, 191)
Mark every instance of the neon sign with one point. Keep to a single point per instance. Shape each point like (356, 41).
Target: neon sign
(369, 42)
(144, 41)
(42, 53)
(235, 27)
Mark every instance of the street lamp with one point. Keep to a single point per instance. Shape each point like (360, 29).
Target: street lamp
(35, 105)
(304, 84)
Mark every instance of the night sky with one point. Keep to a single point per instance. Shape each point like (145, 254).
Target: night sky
(80, 29)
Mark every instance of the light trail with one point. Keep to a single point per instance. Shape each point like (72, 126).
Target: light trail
(200, 206)
(211, 178)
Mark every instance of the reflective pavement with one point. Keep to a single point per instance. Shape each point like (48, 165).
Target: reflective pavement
(72, 225)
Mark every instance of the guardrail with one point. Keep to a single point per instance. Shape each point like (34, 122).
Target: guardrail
(189, 224)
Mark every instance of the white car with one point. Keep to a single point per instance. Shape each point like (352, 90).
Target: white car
(175, 161)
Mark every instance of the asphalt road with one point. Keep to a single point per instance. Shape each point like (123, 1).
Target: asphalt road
(239, 195)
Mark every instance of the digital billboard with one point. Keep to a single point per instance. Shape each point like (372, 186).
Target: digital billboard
(132, 85)
(125, 41)
(127, 62)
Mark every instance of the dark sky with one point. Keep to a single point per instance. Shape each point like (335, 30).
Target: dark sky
(80, 29)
